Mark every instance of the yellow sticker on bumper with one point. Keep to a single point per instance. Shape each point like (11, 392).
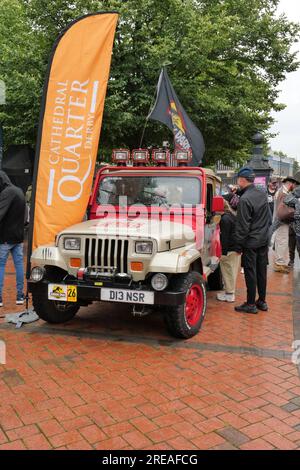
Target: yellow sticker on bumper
(72, 294)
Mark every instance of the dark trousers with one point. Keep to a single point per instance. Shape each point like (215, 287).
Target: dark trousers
(255, 263)
(293, 244)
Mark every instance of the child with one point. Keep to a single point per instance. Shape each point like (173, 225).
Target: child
(230, 260)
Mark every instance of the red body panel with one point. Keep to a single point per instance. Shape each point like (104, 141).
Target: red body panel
(194, 217)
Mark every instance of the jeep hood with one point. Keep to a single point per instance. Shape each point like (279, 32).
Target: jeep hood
(168, 235)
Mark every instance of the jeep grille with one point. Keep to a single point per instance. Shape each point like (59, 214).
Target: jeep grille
(106, 254)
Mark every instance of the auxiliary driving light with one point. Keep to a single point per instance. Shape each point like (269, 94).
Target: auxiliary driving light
(159, 281)
(37, 274)
(183, 156)
(161, 157)
(140, 156)
(121, 156)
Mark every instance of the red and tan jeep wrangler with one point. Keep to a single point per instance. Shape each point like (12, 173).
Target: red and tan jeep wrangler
(152, 240)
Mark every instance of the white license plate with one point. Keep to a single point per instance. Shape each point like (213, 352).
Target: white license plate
(127, 296)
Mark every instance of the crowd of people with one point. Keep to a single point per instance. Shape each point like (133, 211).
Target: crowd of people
(253, 221)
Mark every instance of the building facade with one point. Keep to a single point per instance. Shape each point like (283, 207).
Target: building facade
(282, 167)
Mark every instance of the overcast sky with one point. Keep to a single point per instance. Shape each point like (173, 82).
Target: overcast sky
(288, 121)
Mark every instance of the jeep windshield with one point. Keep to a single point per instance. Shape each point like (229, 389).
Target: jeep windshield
(149, 190)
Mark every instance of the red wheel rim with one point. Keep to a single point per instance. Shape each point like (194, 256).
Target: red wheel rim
(194, 305)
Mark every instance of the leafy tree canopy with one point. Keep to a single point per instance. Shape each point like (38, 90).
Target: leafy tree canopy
(225, 58)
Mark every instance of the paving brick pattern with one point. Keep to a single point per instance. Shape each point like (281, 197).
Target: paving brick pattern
(107, 380)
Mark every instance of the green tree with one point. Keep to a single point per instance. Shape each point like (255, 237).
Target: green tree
(21, 72)
(226, 59)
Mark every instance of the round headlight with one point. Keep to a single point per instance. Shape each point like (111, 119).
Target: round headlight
(159, 281)
(37, 274)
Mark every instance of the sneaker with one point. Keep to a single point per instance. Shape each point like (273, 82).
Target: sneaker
(1, 302)
(242, 271)
(223, 297)
(262, 305)
(281, 268)
(230, 297)
(246, 308)
(291, 265)
(20, 300)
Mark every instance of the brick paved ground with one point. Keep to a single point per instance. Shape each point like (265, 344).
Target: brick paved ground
(107, 380)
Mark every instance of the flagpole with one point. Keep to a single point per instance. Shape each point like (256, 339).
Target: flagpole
(147, 119)
(143, 134)
(145, 126)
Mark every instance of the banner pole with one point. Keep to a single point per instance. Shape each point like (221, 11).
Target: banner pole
(35, 171)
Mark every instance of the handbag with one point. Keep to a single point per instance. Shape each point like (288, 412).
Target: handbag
(285, 213)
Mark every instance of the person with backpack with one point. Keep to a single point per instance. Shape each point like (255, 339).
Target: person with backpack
(292, 200)
(12, 215)
(281, 222)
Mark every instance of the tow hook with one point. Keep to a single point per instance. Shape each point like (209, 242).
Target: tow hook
(140, 311)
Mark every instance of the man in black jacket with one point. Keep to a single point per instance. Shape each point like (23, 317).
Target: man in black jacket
(252, 233)
(12, 214)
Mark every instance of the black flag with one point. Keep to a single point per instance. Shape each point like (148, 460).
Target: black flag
(169, 111)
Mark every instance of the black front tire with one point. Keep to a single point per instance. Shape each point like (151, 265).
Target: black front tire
(54, 312)
(177, 321)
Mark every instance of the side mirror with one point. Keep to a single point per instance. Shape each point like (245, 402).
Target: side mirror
(217, 205)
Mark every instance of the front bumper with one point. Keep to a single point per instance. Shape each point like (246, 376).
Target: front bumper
(88, 292)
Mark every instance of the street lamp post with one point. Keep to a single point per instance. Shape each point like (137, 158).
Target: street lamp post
(259, 162)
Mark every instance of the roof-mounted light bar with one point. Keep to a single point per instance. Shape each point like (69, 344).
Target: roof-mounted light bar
(161, 157)
(183, 157)
(121, 156)
(140, 156)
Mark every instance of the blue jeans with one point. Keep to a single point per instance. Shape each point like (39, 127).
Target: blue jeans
(17, 254)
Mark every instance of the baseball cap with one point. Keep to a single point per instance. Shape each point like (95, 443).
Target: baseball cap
(246, 172)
